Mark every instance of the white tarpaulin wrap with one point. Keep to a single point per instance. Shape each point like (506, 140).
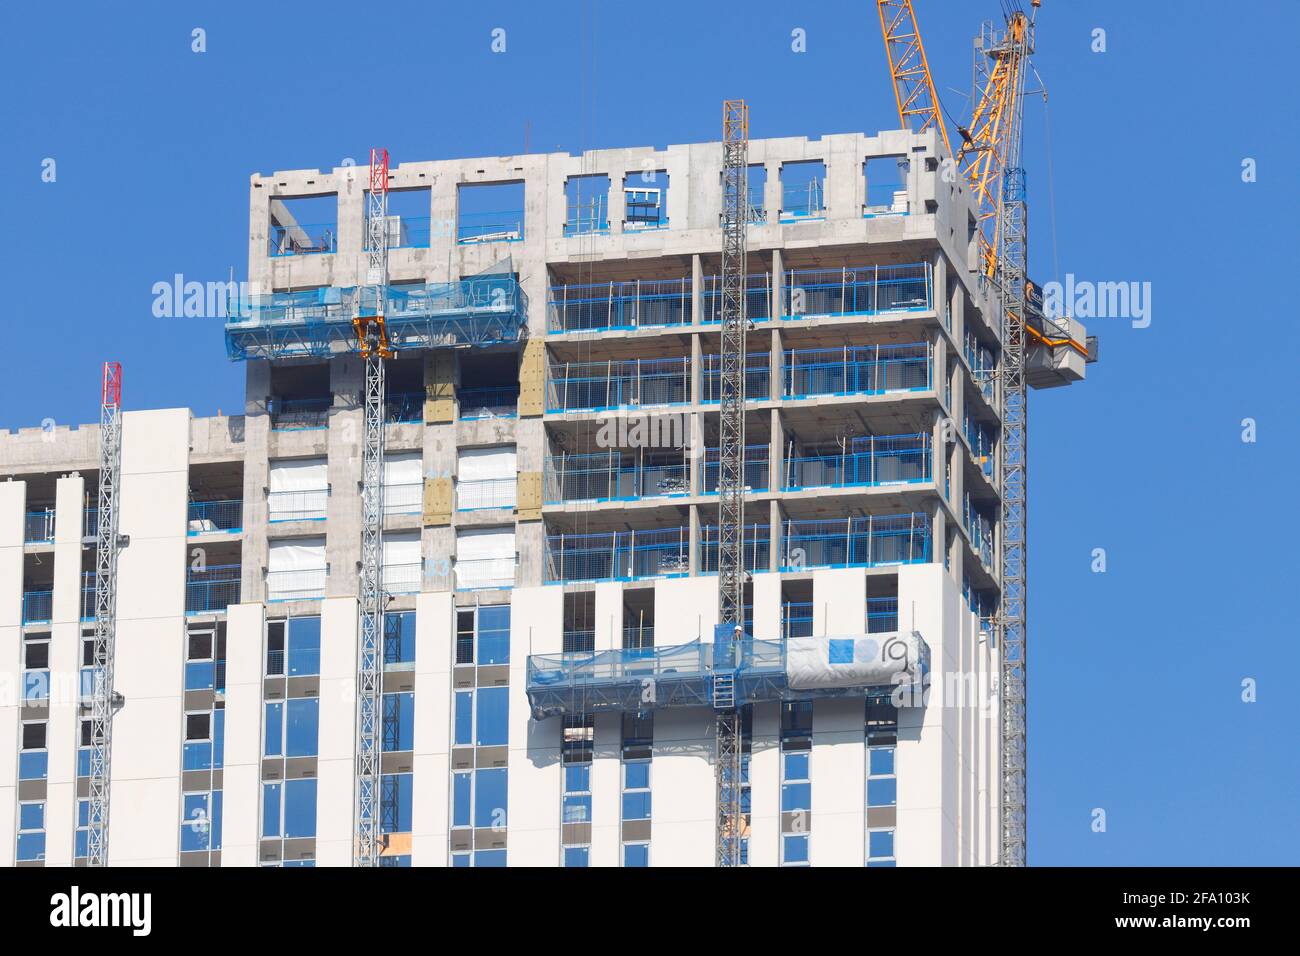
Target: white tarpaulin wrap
(297, 490)
(485, 557)
(295, 569)
(402, 562)
(480, 464)
(403, 483)
(875, 660)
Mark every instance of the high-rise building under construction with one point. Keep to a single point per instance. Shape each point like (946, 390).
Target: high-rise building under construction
(550, 531)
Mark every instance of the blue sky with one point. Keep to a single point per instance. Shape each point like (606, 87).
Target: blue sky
(1136, 681)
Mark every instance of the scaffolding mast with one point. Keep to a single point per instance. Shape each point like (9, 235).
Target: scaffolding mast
(731, 495)
(107, 543)
(372, 338)
(1010, 55)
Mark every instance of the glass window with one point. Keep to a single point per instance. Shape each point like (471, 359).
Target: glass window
(636, 805)
(494, 635)
(196, 823)
(880, 843)
(299, 808)
(460, 803)
(882, 793)
(304, 646)
(274, 730)
(577, 808)
(218, 738)
(199, 675)
(399, 722)
(490, 798)
(796, 796)
(636, 775)
(577, 856)
(34, 736)
(31, 816)
(399, 638)
(302, 727)
(82, 848)
(882, 761)
(36, 655)
(31, 846)
(464, 718)
(795, 849)
(270, 809)
(395, 803)
(275, 648)
(577, 778)
(490, 858)
(796, 766)
(493, 716)
(460, 859)
(636, 854)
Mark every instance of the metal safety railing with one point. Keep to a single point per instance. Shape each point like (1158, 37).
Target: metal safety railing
(797, 617)
(758, 377)
(758, 298)
(403, 497)
(478, 573)
(302, 239)
(296, 585)
(207, 517)
(755, 548)
(755, 469)
(803, 201)
(865, 461)
(591, 386)
(863, 290)
(980, 528)
(212, 589)
(38, 607)
(603, 306)
(87, 595)
(402, 578)
(982, 363)
(403, 407)
(306, 505)
(857, 370)
(479, 493)
(611, 476)
(864, 541)
(287, 413)
(506, 226)
(500, 401)
(38, 526)
(618, 555)
(406, 232)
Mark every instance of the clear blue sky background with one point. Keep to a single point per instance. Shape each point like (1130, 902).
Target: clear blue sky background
(1135, 700)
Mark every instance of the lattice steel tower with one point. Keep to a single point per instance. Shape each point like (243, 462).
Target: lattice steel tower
(103, 700)
(731, 484)
(373, 340)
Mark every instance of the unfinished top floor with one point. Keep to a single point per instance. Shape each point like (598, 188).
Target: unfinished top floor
(448, 219)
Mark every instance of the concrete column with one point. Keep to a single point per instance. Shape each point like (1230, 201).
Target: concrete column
(13, 505)
(776, 452)
(956, 311)
(772, 191)
(776, 530)
(242, 776)
(837, 769)
(697, 289)
(336, 764)
(351, 259)
(695, 544)
(765, 785)
(430, 810)
(257, 478)
(65, 646)
(533, 797)
(609, 615)
(939, 289)
(778, 287)
(343, 470)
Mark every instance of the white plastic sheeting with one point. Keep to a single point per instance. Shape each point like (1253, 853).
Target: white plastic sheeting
(295, 569)
(486, 477)
(403, 483)
(485, 557)
(402, 562)
(297, 490)
(875, 660)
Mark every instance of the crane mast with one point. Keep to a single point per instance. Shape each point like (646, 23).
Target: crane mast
(107, 545)
(991, 166)
(728, 764)
(373, 341)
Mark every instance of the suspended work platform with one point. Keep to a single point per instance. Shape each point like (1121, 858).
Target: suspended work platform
(318, 322)
(749, 671)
